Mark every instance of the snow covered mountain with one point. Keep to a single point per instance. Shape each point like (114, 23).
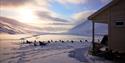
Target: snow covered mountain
(85, 28)
(11, 26)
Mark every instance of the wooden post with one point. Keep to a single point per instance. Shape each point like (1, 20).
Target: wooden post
(93, 35)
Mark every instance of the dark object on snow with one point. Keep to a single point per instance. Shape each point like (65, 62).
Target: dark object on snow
(48, 41)
(104, 40)
(35, 43)
(108, 54)
(42, 43)
(28, 42)
(98, 46)
(56, 41)
(81, 41)
(62, 41)
(86, 40)
(72, 41)
(51, 40)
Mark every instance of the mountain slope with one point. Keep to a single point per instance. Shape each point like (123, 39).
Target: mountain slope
(85, 28)
(12, 26)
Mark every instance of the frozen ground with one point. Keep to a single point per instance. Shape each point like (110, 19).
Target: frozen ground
(11, 51)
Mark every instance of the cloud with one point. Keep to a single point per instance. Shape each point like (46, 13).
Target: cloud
(43, 3)
(12, 2)
(16, 3)
(54, 29)
(45, 13)
(49, 16)
(60, 23)
(53, 23)
(82, 15)
(72, 1)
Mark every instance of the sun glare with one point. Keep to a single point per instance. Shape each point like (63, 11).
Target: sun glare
(26, 15)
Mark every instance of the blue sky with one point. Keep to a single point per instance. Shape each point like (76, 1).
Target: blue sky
(68, 10)
(50, 13)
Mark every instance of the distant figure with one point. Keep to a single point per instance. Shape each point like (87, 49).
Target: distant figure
(72, 41)
(42, 43)
(28, 42)
(51, 40)
(86, 40)
(62, 41)
(35, 43)
(48, 41)
(81, 41)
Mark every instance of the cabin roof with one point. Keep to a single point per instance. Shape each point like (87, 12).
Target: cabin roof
(94, 15)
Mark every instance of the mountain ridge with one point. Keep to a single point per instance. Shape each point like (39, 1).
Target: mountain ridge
(11, 26)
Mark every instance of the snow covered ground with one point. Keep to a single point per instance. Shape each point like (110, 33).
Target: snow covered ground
(12, 51)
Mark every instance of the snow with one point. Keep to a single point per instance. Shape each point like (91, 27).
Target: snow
(12, 26)
(13, 51)
(85, 28)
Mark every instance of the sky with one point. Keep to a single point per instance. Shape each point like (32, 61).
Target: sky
(55, 15)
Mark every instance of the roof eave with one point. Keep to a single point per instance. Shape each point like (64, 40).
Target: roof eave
(91, 17)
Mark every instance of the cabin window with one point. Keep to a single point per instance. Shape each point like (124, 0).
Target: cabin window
(119, 24)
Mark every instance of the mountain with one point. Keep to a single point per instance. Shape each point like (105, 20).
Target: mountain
(85, 28)
(11, 26)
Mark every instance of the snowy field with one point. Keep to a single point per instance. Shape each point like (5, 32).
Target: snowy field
(13, 51)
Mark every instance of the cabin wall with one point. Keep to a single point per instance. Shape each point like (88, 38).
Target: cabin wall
(117, 31)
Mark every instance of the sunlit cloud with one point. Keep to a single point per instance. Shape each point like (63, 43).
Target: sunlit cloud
(50, 15)
(82, 15)
(26, 15)
(41, 2)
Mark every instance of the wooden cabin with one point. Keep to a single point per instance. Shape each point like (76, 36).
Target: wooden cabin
(112, 14)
